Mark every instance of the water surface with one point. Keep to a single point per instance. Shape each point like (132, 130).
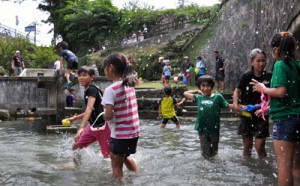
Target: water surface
(167, 156)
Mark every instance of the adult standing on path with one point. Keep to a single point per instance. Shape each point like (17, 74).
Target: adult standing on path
(17, 63)
(221, 64)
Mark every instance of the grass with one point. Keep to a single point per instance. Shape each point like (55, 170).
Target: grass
(159, 85)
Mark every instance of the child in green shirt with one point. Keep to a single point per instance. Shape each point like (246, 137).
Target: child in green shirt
(208, 118)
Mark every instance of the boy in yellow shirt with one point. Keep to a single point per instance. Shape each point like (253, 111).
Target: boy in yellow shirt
(167, 108)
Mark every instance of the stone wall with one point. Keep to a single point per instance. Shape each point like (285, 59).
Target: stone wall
(23, 93)
(26, 93)
(243, 25)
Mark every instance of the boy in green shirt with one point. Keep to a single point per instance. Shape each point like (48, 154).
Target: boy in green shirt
(208, 118)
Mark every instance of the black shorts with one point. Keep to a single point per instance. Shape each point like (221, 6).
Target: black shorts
(220, 76)
(73, 65)
(123, 147)
(174, 119)
(254, 126)
(167, 77)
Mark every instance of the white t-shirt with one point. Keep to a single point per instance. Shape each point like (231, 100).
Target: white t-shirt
(56, 65)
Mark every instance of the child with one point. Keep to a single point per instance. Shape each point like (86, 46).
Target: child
(167, 108)
(255, 125)
(72, 62)
(199, 68)
(285, 107)
(97, 130)
(161, 60)
(188, 77)
(121, 109)
(70, 100)
(167, 72)
(208, 119)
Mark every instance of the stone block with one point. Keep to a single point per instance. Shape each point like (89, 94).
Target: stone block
(55, 129)
(4, 115)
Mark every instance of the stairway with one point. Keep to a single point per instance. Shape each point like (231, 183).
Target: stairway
(148, 101)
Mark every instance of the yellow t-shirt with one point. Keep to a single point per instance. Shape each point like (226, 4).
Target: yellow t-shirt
(168, 107)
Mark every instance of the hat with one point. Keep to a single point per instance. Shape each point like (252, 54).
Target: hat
(185, 57)
(187, 70)
(160, 58)
(17, 51)
(166, 61)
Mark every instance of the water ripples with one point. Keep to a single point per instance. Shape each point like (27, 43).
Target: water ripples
(165, 157)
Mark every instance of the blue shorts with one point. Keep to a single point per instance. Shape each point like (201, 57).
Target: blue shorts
(123, 147)
(167, 77)
(287, 130)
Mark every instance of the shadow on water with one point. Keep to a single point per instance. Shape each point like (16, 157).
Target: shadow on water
(165, 157)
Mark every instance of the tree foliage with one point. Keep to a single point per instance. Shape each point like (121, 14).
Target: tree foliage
(34, 56)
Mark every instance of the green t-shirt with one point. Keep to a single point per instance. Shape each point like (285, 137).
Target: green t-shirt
(288, 77)
(209, 108)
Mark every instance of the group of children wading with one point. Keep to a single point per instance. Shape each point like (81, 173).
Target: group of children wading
(112, 119)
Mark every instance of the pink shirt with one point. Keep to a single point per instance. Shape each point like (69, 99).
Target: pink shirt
(125, 122)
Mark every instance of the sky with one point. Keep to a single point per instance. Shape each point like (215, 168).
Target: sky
(28, 13)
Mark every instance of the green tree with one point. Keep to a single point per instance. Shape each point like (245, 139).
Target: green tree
(34, 56)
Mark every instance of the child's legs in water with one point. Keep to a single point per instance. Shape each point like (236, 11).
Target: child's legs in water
(164, 122)
(209, 144)
(248, 144)
(117, 165)
(287, 147)
(296, 166)
(120, 151)
(117, 162)
(176, 121)
(260, 147)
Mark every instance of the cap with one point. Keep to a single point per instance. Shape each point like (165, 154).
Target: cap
(185, 57)
(166, 61)
(17, 51)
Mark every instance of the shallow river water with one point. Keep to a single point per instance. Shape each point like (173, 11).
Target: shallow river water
(167, 156)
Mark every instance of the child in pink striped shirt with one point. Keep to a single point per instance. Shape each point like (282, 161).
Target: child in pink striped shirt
(121, 110)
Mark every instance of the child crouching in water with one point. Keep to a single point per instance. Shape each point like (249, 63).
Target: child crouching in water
(208, 118)
(167, 108)
(121, 110)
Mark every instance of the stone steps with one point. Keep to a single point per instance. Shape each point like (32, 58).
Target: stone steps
(148, 101)
(152, 114)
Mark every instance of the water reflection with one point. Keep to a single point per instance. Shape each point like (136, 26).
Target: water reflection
(165, 157)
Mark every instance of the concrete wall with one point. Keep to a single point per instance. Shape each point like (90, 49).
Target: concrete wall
(40, 92)
(21, 92)
(243, 25)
